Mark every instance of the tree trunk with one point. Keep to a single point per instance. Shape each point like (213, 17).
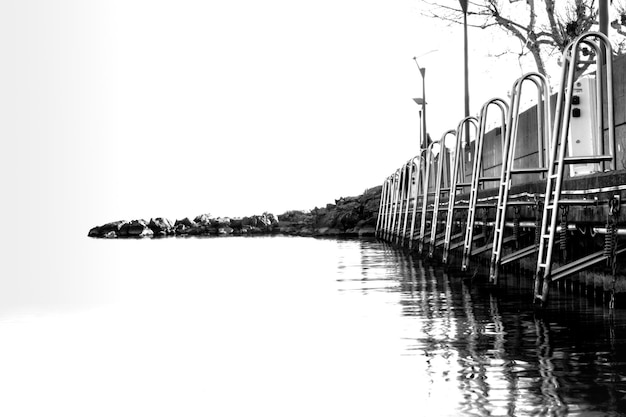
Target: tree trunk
(534, 49)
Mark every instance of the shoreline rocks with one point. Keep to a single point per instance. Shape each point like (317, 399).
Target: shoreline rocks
(349, 216)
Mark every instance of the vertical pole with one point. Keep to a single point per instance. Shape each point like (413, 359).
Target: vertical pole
(424, 131)
(603, 12)
(466, 73)
(421, 130)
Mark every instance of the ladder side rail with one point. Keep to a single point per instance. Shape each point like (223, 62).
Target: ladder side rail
(459, 163)
(408, 200)
(607, 76)
(442, 166)
(558, 145)
(403, 183)
(544, 118)
(505, 178)
(428, 160)
(400, 202)
(418, 187)
(394, 204)
(380, 208)
(388, 207)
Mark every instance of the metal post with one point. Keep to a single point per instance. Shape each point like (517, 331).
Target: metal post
(465, 65)
(422, 102)
(603, 12)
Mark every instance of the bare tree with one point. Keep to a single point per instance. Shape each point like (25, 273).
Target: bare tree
(542, 28)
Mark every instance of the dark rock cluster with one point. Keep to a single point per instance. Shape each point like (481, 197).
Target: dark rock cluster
(202, 225)
(349, 216)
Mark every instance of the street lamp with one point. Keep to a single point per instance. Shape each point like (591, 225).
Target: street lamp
(422, 102)
(465, 64)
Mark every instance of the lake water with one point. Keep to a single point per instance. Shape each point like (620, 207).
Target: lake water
(286, 326)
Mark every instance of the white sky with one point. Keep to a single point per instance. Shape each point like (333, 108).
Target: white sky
(136, 109)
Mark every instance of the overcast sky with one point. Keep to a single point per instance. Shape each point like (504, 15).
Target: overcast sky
(136, 109)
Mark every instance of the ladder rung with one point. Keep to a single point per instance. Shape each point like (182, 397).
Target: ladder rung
(520, 203)
(579, 202)
(489, 178)
(463, 184)
(537, 170)
(553, 176)
(586, 159)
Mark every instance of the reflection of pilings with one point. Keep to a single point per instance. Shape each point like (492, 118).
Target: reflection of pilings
(499, 353)
(552, 402)
(473, 379)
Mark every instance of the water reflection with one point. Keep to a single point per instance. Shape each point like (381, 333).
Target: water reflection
(489, 352)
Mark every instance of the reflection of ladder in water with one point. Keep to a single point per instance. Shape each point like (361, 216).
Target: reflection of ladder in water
(508, 170)
(544, 273)
(458, 172)
(429, 159)
(442, 185)
(479, 178)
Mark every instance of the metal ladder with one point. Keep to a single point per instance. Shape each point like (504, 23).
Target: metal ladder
(478, 176)
(544, 273)
(382, 209)
(428, 162)
(508, 169)
(399, 191)
(393, 199)
(419, 187)
(443, 178)
(455, 184)
(402, 197)
(412, 192)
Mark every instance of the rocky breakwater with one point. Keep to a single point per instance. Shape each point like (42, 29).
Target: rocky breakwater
(202, 225)
(348, 216)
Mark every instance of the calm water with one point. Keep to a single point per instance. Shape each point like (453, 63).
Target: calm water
(297, 327)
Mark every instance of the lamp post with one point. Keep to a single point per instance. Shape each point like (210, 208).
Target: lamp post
(465, 65)
(603, 12)
(422, 101)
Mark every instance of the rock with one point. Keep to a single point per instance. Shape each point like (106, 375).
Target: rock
(367, 231)
(185, 222)
(347, 220)
(203, 219)
(306, 231)
(161, 226)
(225, 230)
(135, 228)
(222, 221)
(101, 231)
(236, 224)
(147, 232)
